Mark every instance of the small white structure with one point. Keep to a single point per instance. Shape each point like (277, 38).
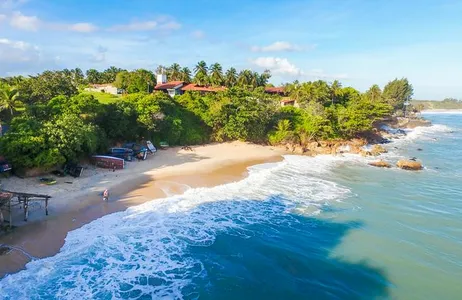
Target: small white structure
(161, 78)
(104, 88)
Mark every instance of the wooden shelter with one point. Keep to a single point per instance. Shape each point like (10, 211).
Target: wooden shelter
(10, 199)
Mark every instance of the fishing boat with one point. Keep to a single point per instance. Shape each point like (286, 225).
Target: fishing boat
(5, 167)
(139, 151)
(108, 162)
(124, 153)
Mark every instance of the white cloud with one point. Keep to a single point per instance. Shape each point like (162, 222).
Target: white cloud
(2, 17)
(161, 23)
(172, 25)
(320, 74)
(136, 26)
(282, 66)
(279, 46)
(20, 21)
(82, 27)
(9, 4)
(32, 23)
(14, 52)
(198, 34)
(100, 55)
(277, 65)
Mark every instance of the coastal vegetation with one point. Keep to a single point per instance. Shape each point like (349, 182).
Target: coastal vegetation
(53, 121)
(447, 103)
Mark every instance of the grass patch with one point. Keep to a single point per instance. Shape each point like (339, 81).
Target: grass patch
(104, 98)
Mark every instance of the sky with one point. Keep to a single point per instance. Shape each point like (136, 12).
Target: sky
(358, 42)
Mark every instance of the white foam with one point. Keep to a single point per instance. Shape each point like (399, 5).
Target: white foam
(442, 112)
(122, 252)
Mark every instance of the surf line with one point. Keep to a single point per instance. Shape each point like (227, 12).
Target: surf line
(24, 252)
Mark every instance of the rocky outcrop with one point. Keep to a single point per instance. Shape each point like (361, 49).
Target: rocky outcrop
(377, 150)
(380, 164)
(409, 165)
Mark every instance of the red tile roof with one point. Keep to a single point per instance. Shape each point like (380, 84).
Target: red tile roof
(199, 88)
(287, 100)
(275, 90)
(168, 85)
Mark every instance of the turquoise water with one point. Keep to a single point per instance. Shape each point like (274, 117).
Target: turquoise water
(305, 228)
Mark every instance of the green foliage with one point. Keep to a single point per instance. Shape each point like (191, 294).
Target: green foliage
(358, 117)
(136, 81)
(9, 98)
(397, 92)
(71, 137)
(58, 125)
(282, 133)
(43, 87)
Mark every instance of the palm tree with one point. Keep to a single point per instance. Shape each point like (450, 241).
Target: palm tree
(231, 77)
(9, 98)
(93, 76)
(216, 74)
(335, 90)
(242, 79)
(200, 73)
(185, 75)
(264, 77)
(374, 93)
(174, 72)
(254, 79)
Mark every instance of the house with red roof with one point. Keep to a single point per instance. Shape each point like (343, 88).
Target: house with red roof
(285, 101)
(173, 88)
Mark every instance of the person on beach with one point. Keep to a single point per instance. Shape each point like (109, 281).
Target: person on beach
(106, 195)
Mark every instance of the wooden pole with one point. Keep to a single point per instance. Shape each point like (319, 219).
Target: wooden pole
(10, 213)
(26, 210)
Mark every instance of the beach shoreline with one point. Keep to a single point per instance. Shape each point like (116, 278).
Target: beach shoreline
(167, 173)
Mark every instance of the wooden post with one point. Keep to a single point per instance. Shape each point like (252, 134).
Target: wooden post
(26, 210)
(10, 213)
(46, 206)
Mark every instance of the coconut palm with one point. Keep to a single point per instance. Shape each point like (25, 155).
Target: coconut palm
(174, 72)
(231, 77)
(336, 88)
(216, 74)
(264, 77)
(374, 93)
(9, 98)
(185, 75)
(254, 79)
(200, 73)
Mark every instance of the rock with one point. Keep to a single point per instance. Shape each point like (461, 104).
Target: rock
(365, 153)
(409, 165)
(299, 149)
(380, 164)
(377, 150)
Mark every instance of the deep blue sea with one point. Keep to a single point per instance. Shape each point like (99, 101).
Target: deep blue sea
(304, 228)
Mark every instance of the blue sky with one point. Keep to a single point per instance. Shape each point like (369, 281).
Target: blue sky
(357, 42)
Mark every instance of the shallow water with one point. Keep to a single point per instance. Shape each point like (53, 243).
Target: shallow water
(321, 228)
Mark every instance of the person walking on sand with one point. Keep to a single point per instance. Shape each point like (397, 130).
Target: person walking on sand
(106, 195)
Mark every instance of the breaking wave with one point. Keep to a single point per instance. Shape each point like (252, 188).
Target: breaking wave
(144, 250)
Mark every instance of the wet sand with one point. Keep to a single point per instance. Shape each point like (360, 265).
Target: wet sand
(45, 238)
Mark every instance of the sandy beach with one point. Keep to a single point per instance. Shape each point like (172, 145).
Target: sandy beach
(165, 173)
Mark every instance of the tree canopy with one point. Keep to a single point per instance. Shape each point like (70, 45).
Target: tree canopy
(56, 124)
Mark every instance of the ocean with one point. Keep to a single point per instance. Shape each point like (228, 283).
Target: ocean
(305, 228)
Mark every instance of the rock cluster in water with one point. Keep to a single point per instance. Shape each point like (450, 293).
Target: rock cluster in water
(409, 165)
